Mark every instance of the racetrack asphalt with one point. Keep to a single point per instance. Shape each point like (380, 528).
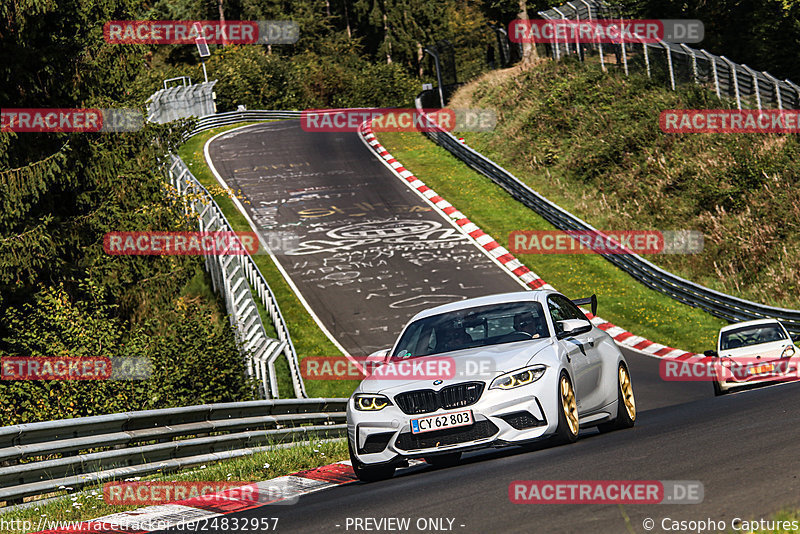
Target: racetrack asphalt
(364, 250)
(742, 447)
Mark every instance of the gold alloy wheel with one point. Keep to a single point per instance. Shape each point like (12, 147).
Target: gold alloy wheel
(569, 405)
(626, 389)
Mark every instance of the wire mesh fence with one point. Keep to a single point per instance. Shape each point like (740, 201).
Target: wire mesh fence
(673, 63)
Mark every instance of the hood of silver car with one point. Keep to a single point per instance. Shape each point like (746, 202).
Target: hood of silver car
(475, 364)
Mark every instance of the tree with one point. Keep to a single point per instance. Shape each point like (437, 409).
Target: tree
(528, 50)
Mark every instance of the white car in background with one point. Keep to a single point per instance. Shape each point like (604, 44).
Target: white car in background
(754, 352)
(552, 372)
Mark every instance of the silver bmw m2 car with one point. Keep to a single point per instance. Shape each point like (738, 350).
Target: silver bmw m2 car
(525, 366)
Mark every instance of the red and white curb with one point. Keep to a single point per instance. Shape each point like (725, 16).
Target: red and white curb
(283, 490)
(506, 259)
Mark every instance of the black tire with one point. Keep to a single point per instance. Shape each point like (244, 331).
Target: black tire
(626, 415)
(566, 433)
(367, 473)
(443, 460)
(718, 391)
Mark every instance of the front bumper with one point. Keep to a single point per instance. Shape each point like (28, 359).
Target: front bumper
(501, 417)
(781, 370)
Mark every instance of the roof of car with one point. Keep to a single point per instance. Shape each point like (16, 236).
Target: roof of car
(500, 298)
(748, 323)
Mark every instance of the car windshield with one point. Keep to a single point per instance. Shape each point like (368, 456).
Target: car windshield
(751, 335)
(472, 327)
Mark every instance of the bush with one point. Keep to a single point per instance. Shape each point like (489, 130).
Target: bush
(193, 356)
(249, 76)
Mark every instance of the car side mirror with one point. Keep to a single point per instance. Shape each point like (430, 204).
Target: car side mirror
(378, 357)
(710, 353)
(573, 327)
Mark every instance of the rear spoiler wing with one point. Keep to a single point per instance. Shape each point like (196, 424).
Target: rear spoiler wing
(591, 300)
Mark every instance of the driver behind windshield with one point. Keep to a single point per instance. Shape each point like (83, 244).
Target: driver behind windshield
(454, 338)
(527, 323)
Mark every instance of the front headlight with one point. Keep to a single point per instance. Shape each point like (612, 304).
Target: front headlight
(518, 378)
(367, 402)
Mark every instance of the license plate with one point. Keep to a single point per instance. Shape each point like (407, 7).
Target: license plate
(440, 422)
(759, 369)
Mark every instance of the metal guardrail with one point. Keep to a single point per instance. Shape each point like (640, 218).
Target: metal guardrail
(40, 458)
(719, 304)
(678, 63)
(232, 117)
(235, 277)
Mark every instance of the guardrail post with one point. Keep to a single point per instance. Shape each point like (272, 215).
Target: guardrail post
(598, 43)
(215, 271)
(556, 49)
(756, 88)
(735, 75)
(578, 50)
(690, 52)
(566, 46)
(669, 65)
(777, 85)
(624, 49)
(796, 93)
(713, 62)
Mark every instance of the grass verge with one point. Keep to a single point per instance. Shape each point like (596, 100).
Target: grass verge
(590, 141)
(622, 300)
(306, 335)
(90, 504)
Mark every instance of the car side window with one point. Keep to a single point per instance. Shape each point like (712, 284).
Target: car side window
(561, 309)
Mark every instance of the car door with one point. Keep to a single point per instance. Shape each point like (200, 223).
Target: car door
(583, 353)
